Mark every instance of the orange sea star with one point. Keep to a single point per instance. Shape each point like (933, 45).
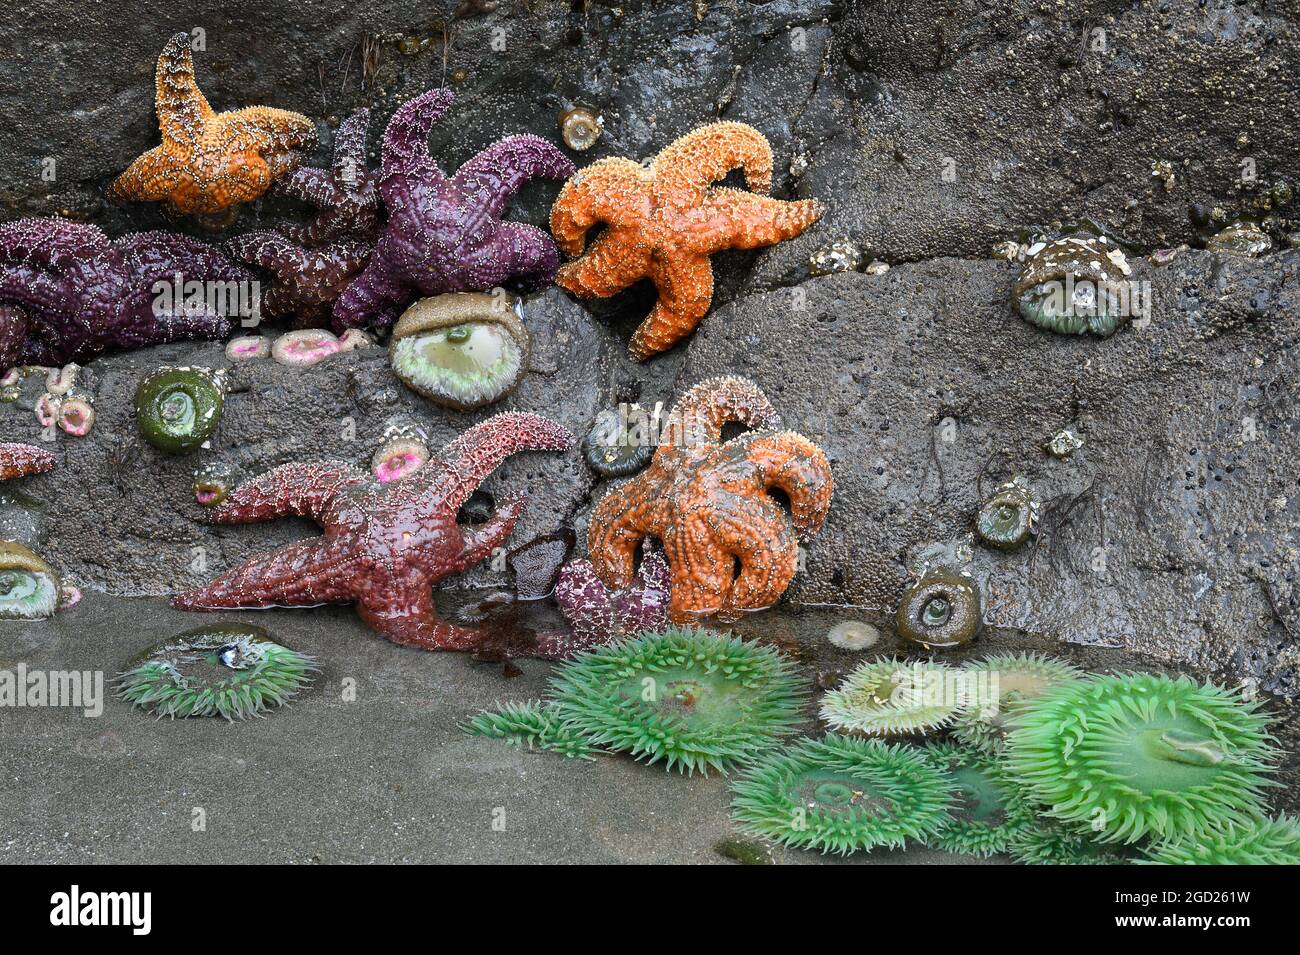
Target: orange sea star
(209, 161)
(730, 546)
(664, 220)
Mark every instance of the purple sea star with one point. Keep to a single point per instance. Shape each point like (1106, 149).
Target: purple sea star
(598, 615)
(345, 193)
(385, 545)
(307, 281)
(446, 235)
(67, 293)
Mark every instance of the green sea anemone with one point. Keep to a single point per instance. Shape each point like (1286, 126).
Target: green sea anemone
(695, 699)
(1138, 754)
(987, 810)
(177, 409)
(463, 350)
(1009, 518)
(939, 611)
(1000, 685)
(1259, 842)
(889, 697)
(1074, 285)
(29, 587)
(235, 671)
(535, 725)
(1045, 843)
(839, 794)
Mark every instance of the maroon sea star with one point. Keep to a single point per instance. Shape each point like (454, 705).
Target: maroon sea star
(345, 193)
(385, 545)
(19, 460)
(446, 235)
(70, 294)
(598, 615)
(307, 281)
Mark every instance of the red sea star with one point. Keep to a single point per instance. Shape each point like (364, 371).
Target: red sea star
(19, 460)
(385, 545)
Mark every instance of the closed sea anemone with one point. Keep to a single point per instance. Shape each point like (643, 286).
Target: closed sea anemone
(622, 440)
(892, 698)
(76, 415)
(853, 635)
(403, 451)
(987, 810)
(842, 795)
(1137, 755)
(462, 350)
(178, 409)
(1004, 684)
(695, 699)
(305, 347)
(1258, 842)
(213, 484)
(248, 348)
(1074, 285)
(233, 671)
(29, 587)
(580, 128)
(939, 611)
(1009, 518)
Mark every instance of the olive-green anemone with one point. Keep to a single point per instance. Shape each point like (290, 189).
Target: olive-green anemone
(1139, 754)
(1046, 843)
(987, 809)
(177, 409)
(29, 587)
(1259, 842)
(1009, 518)
(235, 671)
(695, 699)
(1074, 285)
(843, 795)
(463, 350)
(535, 725)
(622, 441)
(889, 697)
(999, 686)
(940, 610)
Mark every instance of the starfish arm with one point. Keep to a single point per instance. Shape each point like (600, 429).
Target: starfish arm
(611, 190)
(406, 140)
(752, 534)
(702, 570)
(23, 285)
(270, 250)
(518, 252)
(54, 244)
(306, 490)
(350, 146)
(157, 256)
(490, 178)
(19, 460)
(482, 539)
(614, 261)
(685, 284)
(742, 220)
(372, 298)
(312, 185)
(181, 106)
(401, 608)
(699, 415)
(618, 525)
(14, 327)
(266, 130)
(689, 165)
(306, 574)
(478, 452)
(586, 603)
(151, 177)
(798, 467)
(644, 605)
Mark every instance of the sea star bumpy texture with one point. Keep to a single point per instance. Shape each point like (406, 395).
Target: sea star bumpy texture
(20, 460)
(68, 293)
(345, 194)
(597, 615)
(210, 161)
(307, 280)
(708, 502)
(385, 545)
(665, 220)
(446, 235)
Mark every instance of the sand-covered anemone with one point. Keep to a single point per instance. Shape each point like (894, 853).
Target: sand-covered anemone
(853, 635)
(1047, 843)
(622, 440)
(29, 587)
(1137, 755)
(533, 725)
(178, 409)
(463, 350)
(1009, 518)
(234, 671)
(842, 795)
(1002, 684)
(893, 698)
(1258, 842)
(1074, 285)
(987, 810)
(693, 699)
(248, 348)
(940, 610)
(213, 483)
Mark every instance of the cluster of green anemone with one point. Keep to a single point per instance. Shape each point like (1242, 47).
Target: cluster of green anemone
(1015, 754)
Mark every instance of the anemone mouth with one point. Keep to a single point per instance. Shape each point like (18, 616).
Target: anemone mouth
(621, 441)
(1009, 518)
(1139, 755)
(1074, 285)
(987, 811)
(233, 671)
(463, 350)
(940, 610)
(891, 698)
(212, 485)
(842, 795)
(29, 587)
(177, 409)
(248, 348)
(1257, 842)
(1004, 684)
(694, 699)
